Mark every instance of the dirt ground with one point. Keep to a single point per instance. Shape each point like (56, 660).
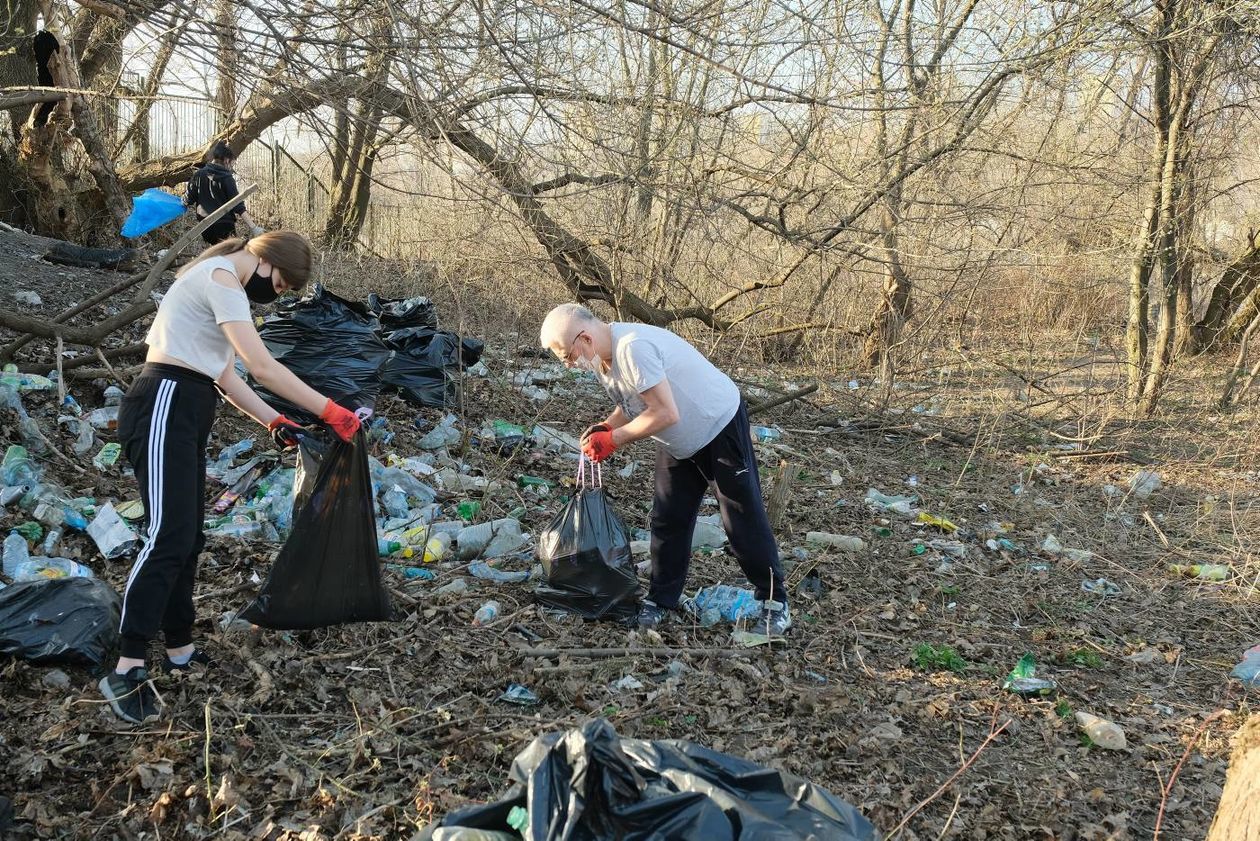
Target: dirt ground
(370, 731)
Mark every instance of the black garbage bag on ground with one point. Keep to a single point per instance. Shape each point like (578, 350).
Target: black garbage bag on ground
(59, 620)
(589, 784)
(585, 553)
(331, 344)
(328, 571)
(404, 312)
(425, 364)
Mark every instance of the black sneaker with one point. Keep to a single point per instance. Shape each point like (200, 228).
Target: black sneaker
(651, 614)
(198, 662)
(774, 620)
(131, 695)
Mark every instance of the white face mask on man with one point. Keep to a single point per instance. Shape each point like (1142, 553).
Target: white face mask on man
(590, 363)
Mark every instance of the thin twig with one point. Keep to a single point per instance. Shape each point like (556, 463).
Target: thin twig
(108, 367)
(1163, 795)
(61, 377)
(993, 734)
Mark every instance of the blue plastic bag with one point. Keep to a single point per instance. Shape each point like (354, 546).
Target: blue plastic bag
(152, 209)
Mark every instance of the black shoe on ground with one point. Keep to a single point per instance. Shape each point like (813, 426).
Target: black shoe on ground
(774, 621)
(131, 696)
(198, 662)
(651, 614)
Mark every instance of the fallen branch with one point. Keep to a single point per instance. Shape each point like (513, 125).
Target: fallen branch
(779, 401)
(18, 100)
(1111, 455)
(993, 734)
(628, 652)
(1163, 795)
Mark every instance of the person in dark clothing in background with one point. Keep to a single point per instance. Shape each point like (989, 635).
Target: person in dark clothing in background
(210, 187)
(668, 391)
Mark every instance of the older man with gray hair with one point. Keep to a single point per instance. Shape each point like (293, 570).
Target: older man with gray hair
(666, 390)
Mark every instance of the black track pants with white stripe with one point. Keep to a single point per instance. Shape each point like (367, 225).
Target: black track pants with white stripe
(163, 427)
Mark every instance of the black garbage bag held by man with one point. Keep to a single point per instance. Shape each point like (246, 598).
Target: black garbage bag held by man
(668, 391)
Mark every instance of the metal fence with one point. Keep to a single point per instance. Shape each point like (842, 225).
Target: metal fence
(291, 194)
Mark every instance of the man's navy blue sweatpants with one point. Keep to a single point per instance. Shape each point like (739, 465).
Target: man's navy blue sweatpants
(728, 465)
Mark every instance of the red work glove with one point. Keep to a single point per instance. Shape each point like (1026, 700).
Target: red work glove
(285, 433)
(599, 445)
(340, 420)
(595, 427)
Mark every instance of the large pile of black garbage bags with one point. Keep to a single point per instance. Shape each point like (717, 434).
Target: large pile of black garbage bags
(353, 351)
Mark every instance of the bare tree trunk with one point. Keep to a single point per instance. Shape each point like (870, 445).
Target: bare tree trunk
(226, 61)
(347, 206)
(1238, 815)
(17, 62)
(1232, 300)
(894, 303)
(1136, 335)
(1166, 260)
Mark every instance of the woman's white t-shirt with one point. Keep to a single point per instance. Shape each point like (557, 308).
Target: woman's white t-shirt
(187, 323)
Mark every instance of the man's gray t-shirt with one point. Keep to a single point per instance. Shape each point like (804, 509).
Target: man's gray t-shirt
(706, 398)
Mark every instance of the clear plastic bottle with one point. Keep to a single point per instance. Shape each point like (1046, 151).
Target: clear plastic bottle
(395, 502)
(18, 469)
(731, 603)
(16, 553)
(1103, 733)
(52, 542)
(37, 568)
(843, 542)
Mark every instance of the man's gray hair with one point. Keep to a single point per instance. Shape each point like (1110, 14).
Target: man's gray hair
(561, 320)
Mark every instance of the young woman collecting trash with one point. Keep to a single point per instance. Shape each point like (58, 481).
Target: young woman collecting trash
(202, 325)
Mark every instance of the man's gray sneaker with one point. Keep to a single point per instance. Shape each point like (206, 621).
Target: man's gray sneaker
(774, 620)
(131, 696)
(651, 614)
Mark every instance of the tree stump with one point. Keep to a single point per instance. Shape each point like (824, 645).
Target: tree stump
(1238, 815)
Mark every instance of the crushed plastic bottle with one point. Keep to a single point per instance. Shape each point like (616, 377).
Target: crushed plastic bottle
(444, 434)
(388, 477)
(1103, 733)
(730, 603)
(708, 533)
(412, 572)
(492, 539)
(16, 552)
(394, 501)
(1204, 572)
(1248, 671)
(1144, 483)
(481, 569)
(52, 542)
(487, 613)
(104, 418)
(437, 547)
(902, 505)
(18, 468)
(1023, 680)
(37, 568)
(843, 542)
(247, 530)
(113, 396)
(766, 434)
(554, 440)
(223, 463)
(507, 437)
